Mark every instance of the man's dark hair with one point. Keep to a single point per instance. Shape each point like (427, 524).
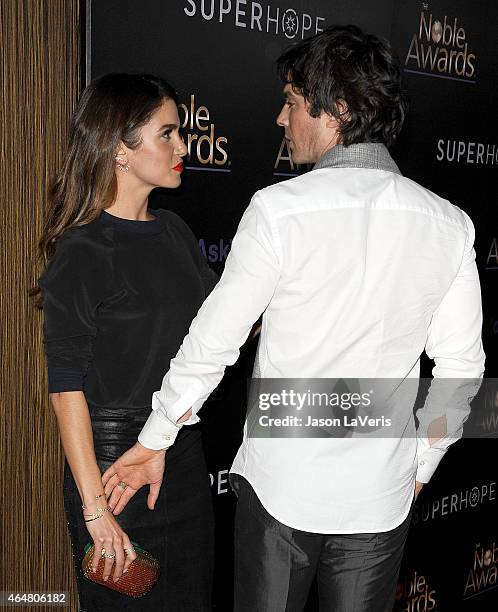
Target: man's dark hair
(343, 64)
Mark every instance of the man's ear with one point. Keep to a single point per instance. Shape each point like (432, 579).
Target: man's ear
(332, 122)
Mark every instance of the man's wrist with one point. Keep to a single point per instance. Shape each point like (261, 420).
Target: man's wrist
(145, 451)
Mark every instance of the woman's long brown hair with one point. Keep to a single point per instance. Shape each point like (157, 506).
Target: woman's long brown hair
(111, 110)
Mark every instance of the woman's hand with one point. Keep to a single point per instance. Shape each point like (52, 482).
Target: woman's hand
(75, 427)
(107, 535)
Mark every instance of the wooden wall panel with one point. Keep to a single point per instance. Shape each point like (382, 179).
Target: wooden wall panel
(40, 84)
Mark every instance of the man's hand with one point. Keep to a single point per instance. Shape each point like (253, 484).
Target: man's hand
(137, 467)
(418, 488)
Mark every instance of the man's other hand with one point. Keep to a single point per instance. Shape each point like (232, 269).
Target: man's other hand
(137, 467)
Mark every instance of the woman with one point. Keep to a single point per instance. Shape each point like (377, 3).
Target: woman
(120, 290)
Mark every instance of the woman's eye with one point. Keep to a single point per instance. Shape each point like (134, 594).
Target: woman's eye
(167, 134)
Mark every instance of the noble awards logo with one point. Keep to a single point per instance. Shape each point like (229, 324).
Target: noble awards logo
(259, 16)
(414, 594)
(206, 150)
(440, 47)
(483, 572)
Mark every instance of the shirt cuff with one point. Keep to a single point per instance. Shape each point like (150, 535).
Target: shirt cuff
(190, 399)
(428, 461)
(65, 379)
(158, 433)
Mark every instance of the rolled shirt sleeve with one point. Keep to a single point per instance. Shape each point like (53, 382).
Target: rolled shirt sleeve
(454, 343)
(221, 326)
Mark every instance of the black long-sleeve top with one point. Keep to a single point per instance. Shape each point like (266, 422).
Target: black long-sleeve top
(119, 297)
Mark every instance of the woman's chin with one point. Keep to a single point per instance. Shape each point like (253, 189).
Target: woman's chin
(172, 181)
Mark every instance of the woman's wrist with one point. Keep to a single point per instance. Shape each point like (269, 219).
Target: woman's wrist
(93, 516)
(90, 488)
(91, 503)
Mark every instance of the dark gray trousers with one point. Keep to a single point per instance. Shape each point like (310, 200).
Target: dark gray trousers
(275, 564)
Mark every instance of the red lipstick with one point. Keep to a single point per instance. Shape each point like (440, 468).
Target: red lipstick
(179, 167)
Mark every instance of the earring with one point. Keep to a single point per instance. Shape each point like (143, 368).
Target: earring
(124, 167)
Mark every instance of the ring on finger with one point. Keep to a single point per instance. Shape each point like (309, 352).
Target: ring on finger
(103, 553)
(128, 550)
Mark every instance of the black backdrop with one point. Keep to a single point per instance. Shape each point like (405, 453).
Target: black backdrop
(220, 55)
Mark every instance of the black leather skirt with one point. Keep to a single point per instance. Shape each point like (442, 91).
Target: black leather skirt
(178, 532)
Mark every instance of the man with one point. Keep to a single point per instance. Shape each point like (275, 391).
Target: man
(356, 270)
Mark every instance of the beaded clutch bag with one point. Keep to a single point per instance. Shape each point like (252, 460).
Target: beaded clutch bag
(141, 576)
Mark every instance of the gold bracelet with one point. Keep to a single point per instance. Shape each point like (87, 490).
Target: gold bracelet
(96, 515)
(96, 497)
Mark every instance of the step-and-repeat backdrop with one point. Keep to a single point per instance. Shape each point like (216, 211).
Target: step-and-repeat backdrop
(220, 55)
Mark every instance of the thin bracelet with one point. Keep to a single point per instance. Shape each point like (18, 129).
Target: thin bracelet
(96, 497)
(96, 515)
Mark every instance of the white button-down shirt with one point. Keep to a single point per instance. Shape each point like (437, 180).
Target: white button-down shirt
(356, 270)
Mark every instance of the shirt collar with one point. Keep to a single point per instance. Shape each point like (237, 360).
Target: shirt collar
(364, 155)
